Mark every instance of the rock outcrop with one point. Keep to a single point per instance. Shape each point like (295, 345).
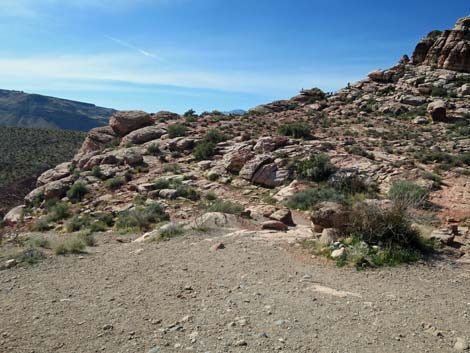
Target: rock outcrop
(448, 50)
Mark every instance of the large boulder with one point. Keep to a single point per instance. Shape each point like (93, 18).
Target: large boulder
(59, 172)
(215, 220)
(125, 122)
(330, 215)
(14, 216)
(165, 116)
(253, 165)
(145, 134)
(437, 110)
(237, 156)
(270, 175)
(270, 143)
(97, 139)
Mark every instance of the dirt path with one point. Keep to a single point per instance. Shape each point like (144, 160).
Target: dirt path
(252, 296)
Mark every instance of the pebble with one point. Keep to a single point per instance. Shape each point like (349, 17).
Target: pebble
(461, 345)
(241, 343)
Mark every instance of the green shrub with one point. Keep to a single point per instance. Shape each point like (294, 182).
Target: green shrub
(226, 207)
(215, 136)
(141, 218)
(169, 231)
(161, 183)
(316, 168)
(190, 115)
(385, 226)
(87, 238)
(359, 151)
(29, 256)
(306, 199)
(77, 223)
(96, 172)
(177, 130)
(188, 192)
(58, 212)
(408, 194)
(39, 242)
(351, 183)
(73, 245)
(115, 182)
(172, 168)
(204, 150)
(41, 225)
(154, 149)
(77, 192)
(297, 130)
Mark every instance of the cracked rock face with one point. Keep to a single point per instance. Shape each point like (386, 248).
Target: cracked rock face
(448, 50)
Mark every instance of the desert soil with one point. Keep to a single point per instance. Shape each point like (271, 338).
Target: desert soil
(255, 295)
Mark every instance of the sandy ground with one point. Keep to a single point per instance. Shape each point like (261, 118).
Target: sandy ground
(252, 296)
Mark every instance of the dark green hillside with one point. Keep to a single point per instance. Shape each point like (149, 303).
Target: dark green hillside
(25, 153)
(20, 109)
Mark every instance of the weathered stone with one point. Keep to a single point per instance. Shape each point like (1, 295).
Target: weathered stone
(330, 215)
(181, 144)
(442, 235)
(124, 122)
(269, 144)
(97, 139)
(252, 166)
(461, 345)
(437, 110)
(413, 100)
(168, 193)
(274, 225)
(329, 236)
(59, 172)
(270, 175)
(465, 90)
(214, 220)
(145, 134)
(164, 116)
(237, 156)
(283, 215)
(14, 216)
(338, 253)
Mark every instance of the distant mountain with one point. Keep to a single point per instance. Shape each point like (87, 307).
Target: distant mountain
(19, 109)
(236, 112)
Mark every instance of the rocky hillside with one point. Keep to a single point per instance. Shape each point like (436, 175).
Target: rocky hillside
(19, 109)
(397, 141)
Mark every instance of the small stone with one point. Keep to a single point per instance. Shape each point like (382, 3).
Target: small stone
(461, 345)
(274, 225)
(217, 246)
(241, 343)
(108, 327)
(339, 253)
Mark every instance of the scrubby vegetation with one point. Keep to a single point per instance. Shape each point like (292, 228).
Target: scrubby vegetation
(25, 153)
(141, 218)
(207, 147)
(177, 130)
(299, 130)
(316, 168)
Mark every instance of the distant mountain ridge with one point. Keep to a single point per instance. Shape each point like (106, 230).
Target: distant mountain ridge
(20, 109)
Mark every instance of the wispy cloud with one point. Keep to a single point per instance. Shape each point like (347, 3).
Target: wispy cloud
(135, 70)
(132, 47)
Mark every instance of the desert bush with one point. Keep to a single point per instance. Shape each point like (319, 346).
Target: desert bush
(386, 226)
(190, 115)
(40, 225)
(225, 207)
(71, 245)
(115, 182)
(297, 130)
(204, 150)
(58, 212)
(39, 242)
(188, 192)
(96, 172)
(154, 149)
(172, 168)
(351, 183)
(306, 199)
(141, 218)
(408, 194)
(215, 136)
(161, 183)
(77, 223)
(169, 231)
(177, 130)
(316, 168)
(77, 192)
(87, 238)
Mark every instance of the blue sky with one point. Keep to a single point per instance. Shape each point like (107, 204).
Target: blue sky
(205, 54)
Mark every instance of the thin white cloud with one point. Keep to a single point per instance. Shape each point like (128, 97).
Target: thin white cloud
(136, 70)
(133, 47)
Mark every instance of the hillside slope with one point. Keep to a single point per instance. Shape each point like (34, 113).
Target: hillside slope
(20, 109)
(26, 153)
